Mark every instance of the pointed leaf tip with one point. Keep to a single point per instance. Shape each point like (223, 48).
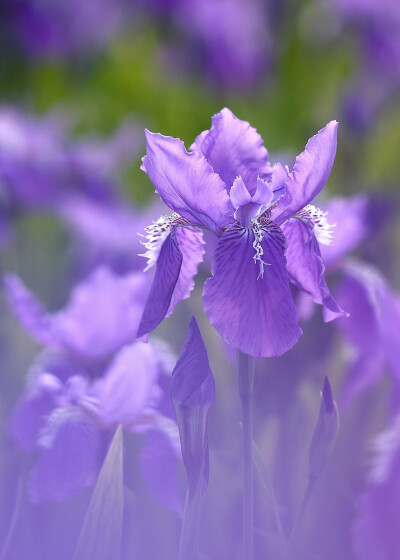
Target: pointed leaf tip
(325, 432)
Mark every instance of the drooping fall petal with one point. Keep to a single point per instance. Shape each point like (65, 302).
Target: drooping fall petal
(305, 266)
(177, 263)
(253, 311)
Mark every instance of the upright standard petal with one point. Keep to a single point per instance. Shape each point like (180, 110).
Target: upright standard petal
(305, 266)
(102, 314)
(186, 182)
(234, 148)
(177, 261)
(310, 173)
(253, 312)
(193, 393)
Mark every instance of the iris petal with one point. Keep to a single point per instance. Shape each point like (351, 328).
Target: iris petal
(159, 463)
(234, 148)
(177, 264)
(253, 313)
(186, 182)
(128, 385)
(305, 266)
(310, 173)
(191, 244)
(169, 264)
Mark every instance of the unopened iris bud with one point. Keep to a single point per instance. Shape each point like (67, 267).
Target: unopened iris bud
(325, 432)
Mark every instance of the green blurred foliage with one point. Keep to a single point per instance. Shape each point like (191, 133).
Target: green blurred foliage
(301, 92)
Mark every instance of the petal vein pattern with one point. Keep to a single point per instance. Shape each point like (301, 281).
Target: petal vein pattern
(252, 312)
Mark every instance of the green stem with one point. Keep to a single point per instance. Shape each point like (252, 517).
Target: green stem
(245, 372)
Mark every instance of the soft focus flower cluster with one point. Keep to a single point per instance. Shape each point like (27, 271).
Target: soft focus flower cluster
(122, 310)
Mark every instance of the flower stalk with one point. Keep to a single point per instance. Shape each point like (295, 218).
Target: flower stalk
(245, 372)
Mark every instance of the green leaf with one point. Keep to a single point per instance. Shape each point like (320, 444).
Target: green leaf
(101, 532)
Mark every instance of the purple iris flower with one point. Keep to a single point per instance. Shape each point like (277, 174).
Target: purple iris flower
(70, 422)
(268, 232)
(101, 316)
(375, 532)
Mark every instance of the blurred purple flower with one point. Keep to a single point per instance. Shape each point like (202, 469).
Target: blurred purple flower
(106, 235)
(355, 221)
(102, 315)
(40, 167)
(375, 532)
(69, 424)
(227, 185)
(379, 26)
(373, 328)
(378, 76)
(363, 291)
(59, 28)
(232, 37)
